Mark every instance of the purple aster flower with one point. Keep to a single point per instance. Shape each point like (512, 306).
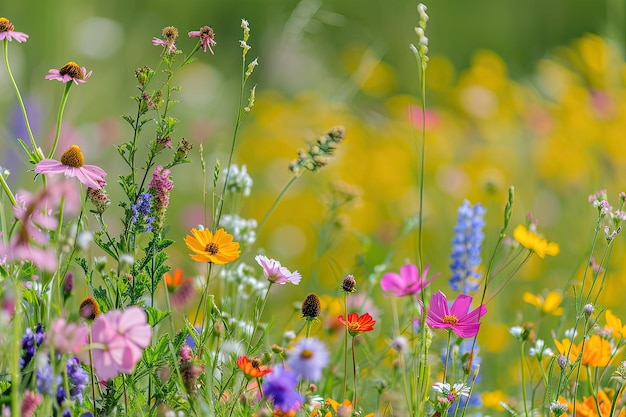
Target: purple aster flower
(69, 72)
(275, 272)
(72, 164)
(7, 31)
(280, 386)
(408, 282)
(206, 36)
(78, 377)
(141, 212)
(466, 246)
(308, 358)
(47, 381)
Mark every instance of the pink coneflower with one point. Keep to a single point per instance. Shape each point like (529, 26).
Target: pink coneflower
(119, 338)
(7, 32)
(170, 33)
(206, 36)
(69, 72)
(275, 272)
(408, 282)
(458, 318)
(72, 164)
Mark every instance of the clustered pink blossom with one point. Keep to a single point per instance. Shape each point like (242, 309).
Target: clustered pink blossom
(160, 187)
(118, 339)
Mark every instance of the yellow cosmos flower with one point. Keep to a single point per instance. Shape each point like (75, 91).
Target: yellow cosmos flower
(597, 351)
(535, 243)
(217, 248)
(547, 306)
(614, 325)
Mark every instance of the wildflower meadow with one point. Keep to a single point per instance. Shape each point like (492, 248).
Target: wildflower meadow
(208, 245)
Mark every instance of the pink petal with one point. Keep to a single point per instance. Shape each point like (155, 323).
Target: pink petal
(461, 306)
(50, 166)
(466, 330)
(409, 273)
(391, 282)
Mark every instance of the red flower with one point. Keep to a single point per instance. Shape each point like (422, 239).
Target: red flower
(252, 367)
(176, 280)
(356, 324)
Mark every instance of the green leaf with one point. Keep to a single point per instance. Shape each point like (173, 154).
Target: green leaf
(155, 316)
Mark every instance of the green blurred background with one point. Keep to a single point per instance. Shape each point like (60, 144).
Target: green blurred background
(528, 93)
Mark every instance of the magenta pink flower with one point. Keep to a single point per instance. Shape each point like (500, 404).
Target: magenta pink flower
(206, 36)
(21, 250)
(72, 164)
(458, 318)
(275, 272)
(118, 339)
(408, 282)
(69, 72)
(67, 337)
(7, 31)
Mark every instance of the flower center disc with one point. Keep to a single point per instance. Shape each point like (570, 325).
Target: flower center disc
(73, 70)
(6, 25)
(73, 157)
(450, 319)
(212, 248)
(306, 354)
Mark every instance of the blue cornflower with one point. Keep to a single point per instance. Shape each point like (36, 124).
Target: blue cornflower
(141, 212)
(308, 358)
(280, 386)
(466, 246)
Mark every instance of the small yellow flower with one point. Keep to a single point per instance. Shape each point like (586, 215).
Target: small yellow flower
(614, 325)
(535, 243)
(547, 306)
(217, 248)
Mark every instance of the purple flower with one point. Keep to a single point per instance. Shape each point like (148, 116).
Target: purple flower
(72, 164)
(458, 318)
(275, 272)
(408, 282)
(280, 386)
(308, 358)
(7, 31)
(141, 212)
(78, 377)
(160, 186)
(207, 36)
(69, 72)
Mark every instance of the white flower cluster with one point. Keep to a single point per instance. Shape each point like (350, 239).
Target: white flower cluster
(244, 276)
(243, 230)
(239, 181)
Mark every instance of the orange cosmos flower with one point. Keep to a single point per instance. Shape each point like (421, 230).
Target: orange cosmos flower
(588, 408)
(596, 352)
(614, 325)
(252, 367)
(217, 248)
(356, 324)
(176, 280)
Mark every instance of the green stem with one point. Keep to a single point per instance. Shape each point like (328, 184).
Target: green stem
(523, 378)
(345, 346)
(15, 371)
(66, 94)
(445, 369)
(353, 373)
(19, 98)
(7, 190)
(422, 165)
(280, 196)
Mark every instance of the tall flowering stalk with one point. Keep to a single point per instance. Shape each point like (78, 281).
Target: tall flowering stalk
(466, 246)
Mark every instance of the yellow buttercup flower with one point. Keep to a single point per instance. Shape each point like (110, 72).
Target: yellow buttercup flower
(548, 305)
(216, 248)
(535, 243)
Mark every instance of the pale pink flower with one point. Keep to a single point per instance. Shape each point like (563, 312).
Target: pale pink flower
(30, 401)
(72, 164)
(7, 32)
(275, 272)
(69, 72)
(206, 36)
(17, 249)
(118, 339)
(67, 337)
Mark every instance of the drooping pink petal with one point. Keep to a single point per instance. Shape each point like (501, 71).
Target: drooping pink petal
(50, 166)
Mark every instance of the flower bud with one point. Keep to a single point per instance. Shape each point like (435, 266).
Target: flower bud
(311, 307)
